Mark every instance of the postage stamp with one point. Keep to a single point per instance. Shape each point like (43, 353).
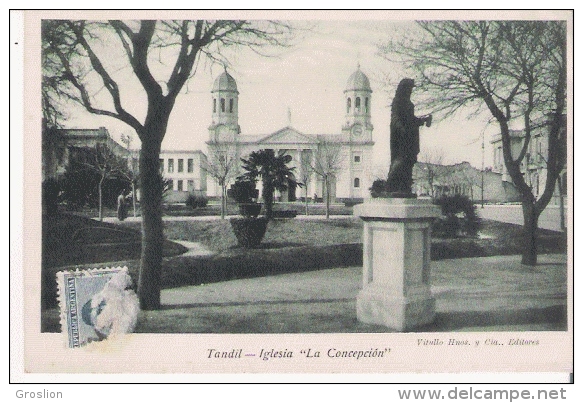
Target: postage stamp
(95, 304)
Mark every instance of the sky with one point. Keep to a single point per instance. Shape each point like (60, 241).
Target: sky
(308, 79)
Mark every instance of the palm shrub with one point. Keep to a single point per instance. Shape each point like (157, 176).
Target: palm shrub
(243, 191)
(273, 171)
(245, 194)
(194, 201)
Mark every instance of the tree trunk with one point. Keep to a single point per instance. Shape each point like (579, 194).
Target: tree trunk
(134, 197)
(482, 188)
(268, 200)
(306, 199)
(431, 189)
(529, 253)
(99, 191)
(561, 203)
(223, 201)
(152, 230)
(327, 184)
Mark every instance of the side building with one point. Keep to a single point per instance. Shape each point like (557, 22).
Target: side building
(58, 145)
(185, 172)
(533, 166)
(353, 144)
(436, 180)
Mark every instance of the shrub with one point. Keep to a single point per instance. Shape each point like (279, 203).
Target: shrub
(378, 188)
(459, 217)
(243, 191)
(191, 201)
(50, 196)
(285, 214)
(194, 201)
(353, 202)
(249, 209)
(249, 231)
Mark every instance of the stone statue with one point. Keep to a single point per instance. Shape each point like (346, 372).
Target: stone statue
(404, 140)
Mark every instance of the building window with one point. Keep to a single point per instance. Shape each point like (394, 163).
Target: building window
(161, 166)
(357, 159)
(190, 165)
(190, 185)
(356, 182)
(357, 104)
(222, 104)
(214, 105)
(170, 165)
(348, 105)
(170, 184)
(180, 165)
(366, 104)
(231, 105)
(180, 185)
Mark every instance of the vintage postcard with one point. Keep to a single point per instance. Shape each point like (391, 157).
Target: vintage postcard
(299, 192)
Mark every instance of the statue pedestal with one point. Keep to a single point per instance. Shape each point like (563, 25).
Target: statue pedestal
(396, 258)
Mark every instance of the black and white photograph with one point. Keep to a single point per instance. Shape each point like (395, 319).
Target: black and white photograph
(374, 191)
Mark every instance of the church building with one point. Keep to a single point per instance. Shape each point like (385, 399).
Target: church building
(353, 143)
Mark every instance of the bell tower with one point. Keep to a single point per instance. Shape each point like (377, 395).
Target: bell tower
(357, 103)
(225, 109)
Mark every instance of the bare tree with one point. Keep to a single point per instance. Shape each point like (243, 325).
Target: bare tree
(133, 172)
(54, 114)
(516, 70)
(306, 175)
(429, 169)
(162, 56)
(560, 187)
(328, 162)
(107, 165)
(222, 166)
(470, 178)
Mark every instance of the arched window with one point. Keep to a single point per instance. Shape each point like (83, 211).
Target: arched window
(214, 105)
(357, 104)
(356, 182)
(366, 104)
(222, 104)
(231, 105)
(348, 105)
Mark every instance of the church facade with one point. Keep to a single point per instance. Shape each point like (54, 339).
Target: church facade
(352, 146)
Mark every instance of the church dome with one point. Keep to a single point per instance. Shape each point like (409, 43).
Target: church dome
(358, 81)
(225, 82)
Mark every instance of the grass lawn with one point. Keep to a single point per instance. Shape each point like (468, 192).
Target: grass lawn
(495, 238)
(218, 236)
(290, 245)
(71, 239)
(214, 209)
